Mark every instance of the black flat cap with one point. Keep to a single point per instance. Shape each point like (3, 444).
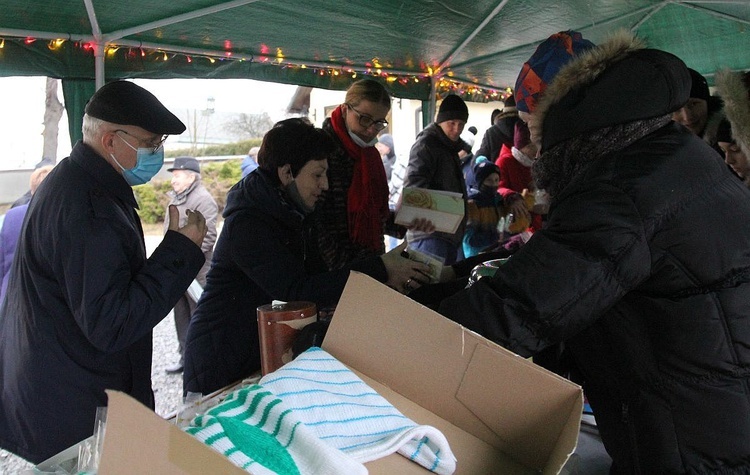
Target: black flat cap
(185, 163)
(126, 103)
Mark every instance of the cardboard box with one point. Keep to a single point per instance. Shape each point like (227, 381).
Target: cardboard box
(500, 412)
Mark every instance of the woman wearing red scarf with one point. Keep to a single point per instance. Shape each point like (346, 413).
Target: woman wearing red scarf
(353, 214)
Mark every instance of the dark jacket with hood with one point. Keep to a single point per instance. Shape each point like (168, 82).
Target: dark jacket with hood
(643, 270)
(81, 304)
(499, 134)
(434, 164)
(266, 251)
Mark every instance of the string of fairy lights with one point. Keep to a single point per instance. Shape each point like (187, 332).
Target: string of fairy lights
(445, 84)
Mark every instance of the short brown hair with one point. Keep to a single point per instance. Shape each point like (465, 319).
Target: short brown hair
(296, 142)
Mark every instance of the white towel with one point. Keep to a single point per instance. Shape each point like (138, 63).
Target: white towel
(346, 413)
(257, 432)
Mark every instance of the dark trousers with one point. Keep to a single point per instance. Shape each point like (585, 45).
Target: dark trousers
(183, 309)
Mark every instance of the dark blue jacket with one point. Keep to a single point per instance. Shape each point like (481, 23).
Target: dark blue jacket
(81, 303)
(266, 251)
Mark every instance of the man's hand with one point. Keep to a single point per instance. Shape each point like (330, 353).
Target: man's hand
(422, 225)
(404, 274)
(195, 229)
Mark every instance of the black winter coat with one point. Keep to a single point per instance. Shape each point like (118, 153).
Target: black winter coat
(643, 269)
(434, 164)
(81, 304)
(266, 251)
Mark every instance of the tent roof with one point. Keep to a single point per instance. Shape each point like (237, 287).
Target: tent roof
(330, 43)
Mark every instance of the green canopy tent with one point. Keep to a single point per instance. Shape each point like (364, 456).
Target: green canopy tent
(421, 49)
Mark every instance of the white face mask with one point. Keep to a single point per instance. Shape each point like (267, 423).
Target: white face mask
(359, 141)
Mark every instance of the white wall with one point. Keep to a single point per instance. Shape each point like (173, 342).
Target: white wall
(13, 184)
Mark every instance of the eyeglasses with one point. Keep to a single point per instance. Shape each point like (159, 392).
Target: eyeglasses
(153, 145)
(366, 121)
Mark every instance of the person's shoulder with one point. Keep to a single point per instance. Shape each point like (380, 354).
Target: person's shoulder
(202, 192)
(427, 138)
(18, 211)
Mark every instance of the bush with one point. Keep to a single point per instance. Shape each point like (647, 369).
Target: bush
(152, 200)
(237, 148)
(219, 177)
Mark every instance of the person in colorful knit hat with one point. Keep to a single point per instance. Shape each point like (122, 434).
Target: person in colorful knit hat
(657, 327)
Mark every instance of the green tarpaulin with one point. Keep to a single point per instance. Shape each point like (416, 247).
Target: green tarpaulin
(419, 48)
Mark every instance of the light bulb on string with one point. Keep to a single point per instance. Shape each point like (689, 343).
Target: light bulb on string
(54, 45)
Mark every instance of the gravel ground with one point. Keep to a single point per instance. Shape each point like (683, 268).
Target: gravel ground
(167, 387)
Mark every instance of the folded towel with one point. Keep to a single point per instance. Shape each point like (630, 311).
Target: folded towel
(345, 412)
(256, 431)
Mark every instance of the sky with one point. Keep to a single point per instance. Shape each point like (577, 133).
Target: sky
(22, 109)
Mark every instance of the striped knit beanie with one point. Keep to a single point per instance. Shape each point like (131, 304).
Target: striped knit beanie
(544, 64)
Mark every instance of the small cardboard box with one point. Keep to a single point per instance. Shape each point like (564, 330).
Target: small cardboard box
(500, 412)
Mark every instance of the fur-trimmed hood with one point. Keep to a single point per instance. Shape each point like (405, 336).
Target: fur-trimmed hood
(734, 93)
(615, 82)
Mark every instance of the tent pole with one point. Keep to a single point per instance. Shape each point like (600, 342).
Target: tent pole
(433, 101)
(99, 64)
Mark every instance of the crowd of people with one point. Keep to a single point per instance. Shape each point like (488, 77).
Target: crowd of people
(621, 218)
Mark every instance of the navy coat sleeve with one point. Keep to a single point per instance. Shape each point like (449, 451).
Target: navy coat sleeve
(114, 300)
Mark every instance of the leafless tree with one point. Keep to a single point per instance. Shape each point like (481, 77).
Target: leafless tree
(53, 111)
(249, 126)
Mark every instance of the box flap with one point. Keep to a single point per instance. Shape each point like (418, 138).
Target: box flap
(137, 440)
(536, 407)
(460, 376)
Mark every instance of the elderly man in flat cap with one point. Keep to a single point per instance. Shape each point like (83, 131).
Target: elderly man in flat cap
(188, 193)
(83, 298)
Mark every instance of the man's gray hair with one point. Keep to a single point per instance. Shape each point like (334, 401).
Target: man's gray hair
(91, 128)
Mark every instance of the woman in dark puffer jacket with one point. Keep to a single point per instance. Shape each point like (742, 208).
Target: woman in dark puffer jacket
(267, 251)
(643, 269)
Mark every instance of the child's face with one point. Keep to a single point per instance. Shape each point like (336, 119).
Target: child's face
(492, 180)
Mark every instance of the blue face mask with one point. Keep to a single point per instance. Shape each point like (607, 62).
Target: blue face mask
(148, 164)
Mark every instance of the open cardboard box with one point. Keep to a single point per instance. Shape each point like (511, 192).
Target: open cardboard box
(501, 413)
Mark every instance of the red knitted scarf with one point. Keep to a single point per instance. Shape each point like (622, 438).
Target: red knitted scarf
(367, 200)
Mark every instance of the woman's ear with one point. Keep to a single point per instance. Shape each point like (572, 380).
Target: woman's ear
(285, 174)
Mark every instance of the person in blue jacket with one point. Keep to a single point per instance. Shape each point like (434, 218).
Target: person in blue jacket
(268, 251)
(82, 297)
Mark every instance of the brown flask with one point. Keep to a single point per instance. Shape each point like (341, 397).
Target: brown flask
(278, 326)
